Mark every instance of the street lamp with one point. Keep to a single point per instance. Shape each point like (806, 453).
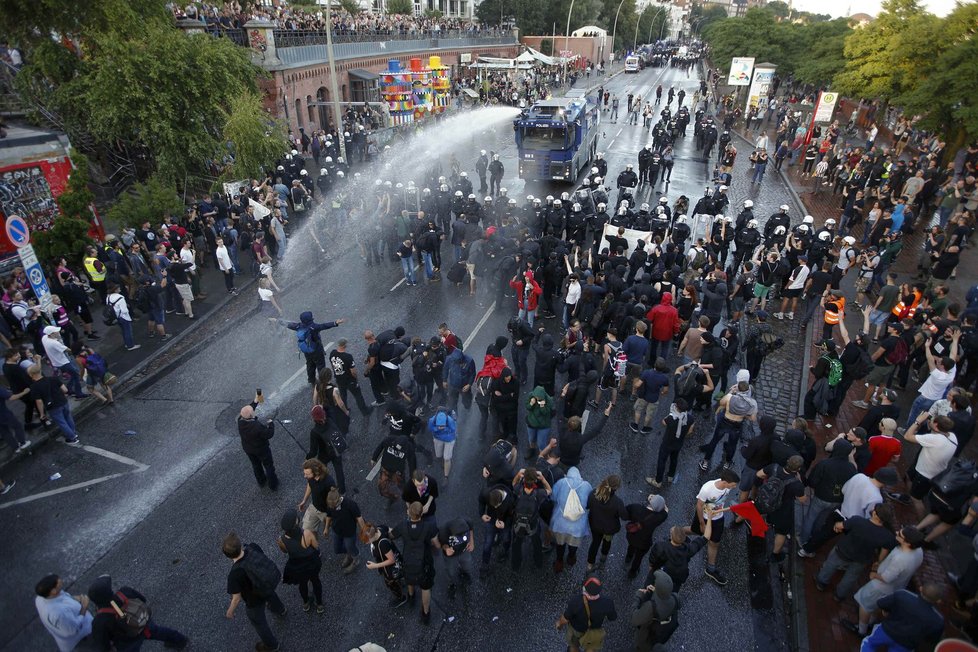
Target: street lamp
(567, 37)
(614, 30)
(656, 15)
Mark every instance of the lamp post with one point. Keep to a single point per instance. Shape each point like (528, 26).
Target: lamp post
(656, 15)
(662, 27)
(567, 37)
(614, 30)
(334, 91)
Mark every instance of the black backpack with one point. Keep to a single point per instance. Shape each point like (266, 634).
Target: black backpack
(961, 475)
(261, 571)
(132, 614)
(688, 381)
(771, 493)
(108, 313)
(527, 516)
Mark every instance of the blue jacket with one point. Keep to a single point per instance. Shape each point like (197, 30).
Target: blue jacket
(446, 431)
(306, 321)
(561, 492)
(459, 369)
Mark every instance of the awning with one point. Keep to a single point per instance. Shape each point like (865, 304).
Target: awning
(362, 74)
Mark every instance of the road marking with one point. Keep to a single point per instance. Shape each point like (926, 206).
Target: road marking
(138, 467)
(292, 378)
(482, 322)
(398, 284)
(615, 137)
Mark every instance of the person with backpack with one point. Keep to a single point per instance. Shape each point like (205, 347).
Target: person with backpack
(693, 382)
(443, 428)
(150, 300)
(310, 343)
(856, 362)
(253, 579)
(651, 384)
(304, 562)
(569, 523)
(827, 374)
(826, 480)
(532, 491)
(757, 455)
(116, 311)
(419, 539)
(398, 459)
(733, 410)
(387, 561)
(123, 619)
(782, 487)
(97, 375)
(255, 437)
(892, 351)
(614, 366)
(952, 495)
(677, 425)
(938, 447)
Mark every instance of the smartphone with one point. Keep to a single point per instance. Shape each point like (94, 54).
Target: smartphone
(261, 399)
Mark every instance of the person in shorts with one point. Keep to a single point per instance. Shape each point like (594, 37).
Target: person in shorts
(318, 484)
(651, 384)
(880, 373)
(709, 504)
(794, 286)
(584, 617)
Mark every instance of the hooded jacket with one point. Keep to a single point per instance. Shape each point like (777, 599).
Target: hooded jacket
(757, 452)
(459, 369)
(520, 285)
(306, 321)
(541, 413)
(828, 476)
(664, 319)
(561, 492)
(655, 619)
(545, 361)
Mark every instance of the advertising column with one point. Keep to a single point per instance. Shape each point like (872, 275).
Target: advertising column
(760, 85)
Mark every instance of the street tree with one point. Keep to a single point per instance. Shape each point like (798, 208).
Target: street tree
(254, 137)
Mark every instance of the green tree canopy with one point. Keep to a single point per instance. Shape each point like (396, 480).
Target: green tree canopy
(400, 7)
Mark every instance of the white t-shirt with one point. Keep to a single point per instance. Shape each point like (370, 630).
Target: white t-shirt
(937, 383)
(935, 453)
(573, 294)
(799, 281)
(712, 497)
(55, 350)
(859, 496)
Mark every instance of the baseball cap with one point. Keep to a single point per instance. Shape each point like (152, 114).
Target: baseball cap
(51, 329)
(743, 376)
(592, 586)
(887, 475)
(890, 395)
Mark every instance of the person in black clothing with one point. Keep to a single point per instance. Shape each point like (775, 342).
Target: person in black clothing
(255, 436)
(826, 480)
(108, 632)
(521, 334)
(419, 539)
(757, 455)
(571, 441)
(673, 554)
(912, 621)
(457, 540)
(782, 519)
(304, 562)
(545, 362)
(347, 378)
(605, 512)
(642, 522)
(397, 459)
(862, 538)
(677, 426)
(422, 489)
(387, 561)
(505, 392)
(497, 504)
(310, 343)
(885, 410)
(241, 588)
(531, 492)
(586, 612)
(18, 380)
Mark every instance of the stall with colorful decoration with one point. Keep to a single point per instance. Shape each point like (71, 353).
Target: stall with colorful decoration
(415, 93)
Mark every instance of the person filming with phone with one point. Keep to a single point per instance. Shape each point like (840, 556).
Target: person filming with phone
(255, 438)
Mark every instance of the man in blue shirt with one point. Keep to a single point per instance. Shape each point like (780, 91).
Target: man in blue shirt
(65, 617)
(652, 383)
(636, 348)
(911, 621)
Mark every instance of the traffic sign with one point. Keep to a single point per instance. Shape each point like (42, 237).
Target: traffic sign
(35, 275)
(18, 231)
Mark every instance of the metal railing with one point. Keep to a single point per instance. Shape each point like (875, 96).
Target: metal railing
(238, 35)
(288, 38)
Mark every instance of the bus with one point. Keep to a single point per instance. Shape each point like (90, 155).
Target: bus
(632, 64)
(556, 138)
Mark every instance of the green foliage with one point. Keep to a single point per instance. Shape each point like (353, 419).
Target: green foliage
(778, 8)
(400, 7)
(255, 139)
(146, 202)
(351, 7)
(66, 238)
(547, 47)
(433, 13)
(76, 200)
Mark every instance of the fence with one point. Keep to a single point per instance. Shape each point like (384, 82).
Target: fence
(308, 53)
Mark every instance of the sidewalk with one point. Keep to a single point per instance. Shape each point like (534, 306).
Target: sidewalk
(131, 366)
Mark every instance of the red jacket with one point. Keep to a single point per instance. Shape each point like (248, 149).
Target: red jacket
(664, 319)
(535, 291)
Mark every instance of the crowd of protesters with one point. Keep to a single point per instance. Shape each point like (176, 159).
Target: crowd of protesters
(668, 325)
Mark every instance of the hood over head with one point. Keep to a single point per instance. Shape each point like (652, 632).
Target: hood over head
(841, 449)
(666, 299)
(767, 425)
(306, 317)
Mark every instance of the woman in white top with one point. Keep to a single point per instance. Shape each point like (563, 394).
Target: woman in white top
(874, 214)
(269, 306)
(572, 297)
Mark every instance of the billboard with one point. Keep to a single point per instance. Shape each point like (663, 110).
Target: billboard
(825, 106)
(740, 69)
(759, 87)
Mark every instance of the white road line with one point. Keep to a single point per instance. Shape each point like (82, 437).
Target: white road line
(116, 457)
(398, 284)
(482, 322)
(71, 487)
(298, 372)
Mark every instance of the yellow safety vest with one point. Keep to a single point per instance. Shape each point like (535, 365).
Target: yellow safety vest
(93, 273)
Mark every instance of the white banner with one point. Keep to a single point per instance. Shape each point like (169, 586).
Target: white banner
(231, 189)
(260, 211)
(825, 106)
(759, 87)
(630, 235)
(740, 69)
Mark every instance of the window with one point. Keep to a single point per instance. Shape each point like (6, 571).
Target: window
(544, 137)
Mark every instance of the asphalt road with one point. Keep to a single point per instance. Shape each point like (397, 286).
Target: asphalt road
(157, 504)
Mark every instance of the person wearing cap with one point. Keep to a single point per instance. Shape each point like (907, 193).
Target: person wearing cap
(892, 574)
(65, 617)
(643, 519)
(62, 359)
(585, 615)
(890, 348)
(885, 409)
(860, 496)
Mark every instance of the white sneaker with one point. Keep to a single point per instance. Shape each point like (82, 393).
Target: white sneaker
(791, 316)
(779, 315)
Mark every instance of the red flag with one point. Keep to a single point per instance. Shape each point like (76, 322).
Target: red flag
(749, 512)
